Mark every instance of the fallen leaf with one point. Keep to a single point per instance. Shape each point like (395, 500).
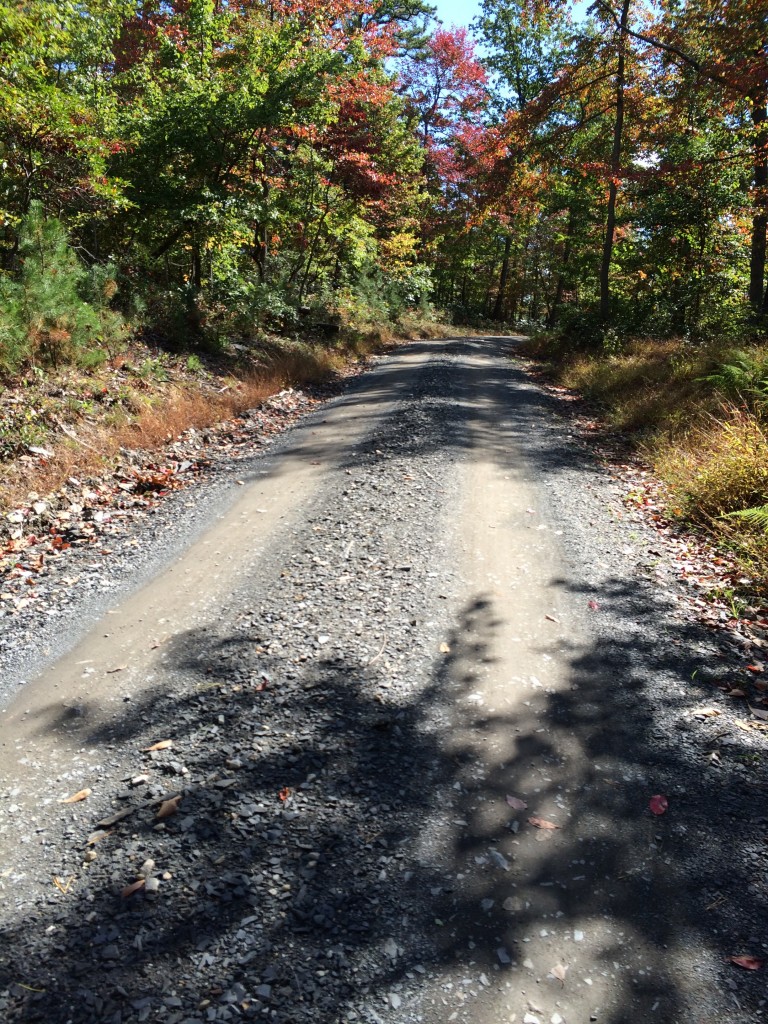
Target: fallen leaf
(542, 823)
(593, 605)
(160, 745)
(762, 715)
(755, 668)
(114, 818)
(129, 890)
(658, 804)
(445, 649)
(118, 668)
(168, 807)
(82, 794)
(284, 793)
(736, 692)
(707, 712)
(559, 971)
(761, 685)
(552, 618)
(519, 805)
(749, 963)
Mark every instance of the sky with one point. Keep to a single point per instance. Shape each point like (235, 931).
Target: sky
(456, 12)
(461, 12)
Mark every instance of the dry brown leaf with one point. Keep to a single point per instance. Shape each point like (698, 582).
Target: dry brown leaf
(445, 649)
(114, 818)
(559, 972)
(168, 807)
(762, 715)
(82, 794)
(160, 745)
(517, 803)
(542, 823)
(129, 890)
(707, 712)
(551, 618)
(96, 837)
(735, 692)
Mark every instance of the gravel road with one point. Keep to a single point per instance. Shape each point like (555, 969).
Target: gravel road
(378, 740)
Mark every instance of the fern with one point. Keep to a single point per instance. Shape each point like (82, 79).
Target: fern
(757, 516)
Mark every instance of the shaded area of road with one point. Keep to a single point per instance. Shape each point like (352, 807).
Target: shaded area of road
(344, 849)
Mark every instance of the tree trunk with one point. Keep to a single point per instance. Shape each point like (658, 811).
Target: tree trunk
(504, 274)
(618, 132)
(564, 267)
(758, 295)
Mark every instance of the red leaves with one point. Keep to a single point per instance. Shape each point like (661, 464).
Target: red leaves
(658, 804)
(285, 793)
(749, 963)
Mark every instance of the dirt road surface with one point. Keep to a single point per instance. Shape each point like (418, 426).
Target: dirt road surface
(410, 697)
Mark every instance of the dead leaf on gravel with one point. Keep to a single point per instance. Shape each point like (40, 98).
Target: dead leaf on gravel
(114, 818)
(160, 745)
(96, 837)
(82, 794)
(762, 715)
(707, 712)
(129, 890)
(735, 692)
(542, 823)
(658, 804)
(593, 605)
(551, 618)
(284, 793)
(755, 668)
(749, 963)
(559, 972)
(517, 803)
(168, 807)
(118, 668)
(445, 649)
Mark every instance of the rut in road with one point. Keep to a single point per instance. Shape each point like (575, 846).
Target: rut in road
(350, 703)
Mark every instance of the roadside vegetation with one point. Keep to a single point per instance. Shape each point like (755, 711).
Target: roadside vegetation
(698, 416)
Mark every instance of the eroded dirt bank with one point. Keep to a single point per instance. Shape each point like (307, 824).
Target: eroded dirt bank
(410, 698)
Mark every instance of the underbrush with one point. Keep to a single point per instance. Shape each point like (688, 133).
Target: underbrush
(699, 416)
(73, 422)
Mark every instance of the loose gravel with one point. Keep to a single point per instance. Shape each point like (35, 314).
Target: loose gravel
(286, 851)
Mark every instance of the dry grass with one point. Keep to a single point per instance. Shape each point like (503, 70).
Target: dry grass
(711, 455)
(152, 413)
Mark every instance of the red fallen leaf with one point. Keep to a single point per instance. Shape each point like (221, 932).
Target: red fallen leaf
(593, 605)
(749, 963)
(261, 685)
(658, 804)
(542, 823)
(285, 792)
(754, 668)
(517, 803)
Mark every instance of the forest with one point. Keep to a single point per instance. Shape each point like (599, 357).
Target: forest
(202, 176)
(205, 169)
